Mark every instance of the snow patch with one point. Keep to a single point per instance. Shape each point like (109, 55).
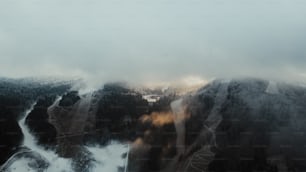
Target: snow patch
(109, 158)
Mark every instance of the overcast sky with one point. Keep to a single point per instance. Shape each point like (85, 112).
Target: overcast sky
(153, 40)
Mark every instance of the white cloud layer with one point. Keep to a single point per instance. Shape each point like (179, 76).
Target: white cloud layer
(153, 40)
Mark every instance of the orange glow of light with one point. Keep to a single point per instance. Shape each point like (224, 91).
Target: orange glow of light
(158, 119)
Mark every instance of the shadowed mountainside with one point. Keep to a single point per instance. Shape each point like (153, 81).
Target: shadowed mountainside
(15, 97)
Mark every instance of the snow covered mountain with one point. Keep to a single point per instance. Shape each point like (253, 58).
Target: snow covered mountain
(227, 125)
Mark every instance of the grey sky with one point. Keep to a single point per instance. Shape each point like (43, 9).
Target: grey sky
(148, 40)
